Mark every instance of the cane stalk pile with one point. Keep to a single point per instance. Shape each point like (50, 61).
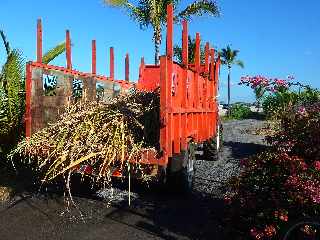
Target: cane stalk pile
(103, 136)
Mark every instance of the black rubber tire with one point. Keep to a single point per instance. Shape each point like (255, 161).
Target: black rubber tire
(183, 180)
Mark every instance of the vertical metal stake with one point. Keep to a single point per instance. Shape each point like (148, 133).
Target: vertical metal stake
(129, 185)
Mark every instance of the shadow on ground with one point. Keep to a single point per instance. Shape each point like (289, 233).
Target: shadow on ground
(171, 215)
(241, 150)
(154, 215)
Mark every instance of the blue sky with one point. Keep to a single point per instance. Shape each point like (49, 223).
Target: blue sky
(275, 37)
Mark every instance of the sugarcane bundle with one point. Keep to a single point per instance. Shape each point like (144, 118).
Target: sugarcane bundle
(96, 134)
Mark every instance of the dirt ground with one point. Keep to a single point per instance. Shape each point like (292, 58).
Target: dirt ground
(153, 214)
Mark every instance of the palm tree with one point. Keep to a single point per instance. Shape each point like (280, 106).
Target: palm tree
(12, 95)
(154, 12)
(177, 51)
(229, 58)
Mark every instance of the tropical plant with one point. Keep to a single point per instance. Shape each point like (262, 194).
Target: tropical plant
(278, 95)
(153, 13)
(239, 111)
(262, 85)
(12, 82)
(282, 183)
(11, 99)
(177, 51)
(229, 58)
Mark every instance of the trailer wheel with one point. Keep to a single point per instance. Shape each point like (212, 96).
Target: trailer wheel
(188, 169)
(185, 177)
(179, 178)
(213, 146)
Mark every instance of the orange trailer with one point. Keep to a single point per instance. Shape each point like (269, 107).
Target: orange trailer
(188, 97)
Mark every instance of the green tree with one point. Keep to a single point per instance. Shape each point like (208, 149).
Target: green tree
(153, 13)
(229, 58)
(177, 51)
(12, 94)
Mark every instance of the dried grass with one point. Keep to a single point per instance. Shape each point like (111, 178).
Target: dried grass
(101, 135)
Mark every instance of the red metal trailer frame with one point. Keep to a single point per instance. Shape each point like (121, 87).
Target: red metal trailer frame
(188, 92)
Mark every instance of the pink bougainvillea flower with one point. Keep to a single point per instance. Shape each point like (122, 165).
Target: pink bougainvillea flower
(227, 200)
(243, 162)
(254, 233)
(303, 165)
(270, 230)
(317, 165)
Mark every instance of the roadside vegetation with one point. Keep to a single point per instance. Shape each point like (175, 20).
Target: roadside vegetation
(274, 188)
(238, 111)
(282, 184)
(12, 108)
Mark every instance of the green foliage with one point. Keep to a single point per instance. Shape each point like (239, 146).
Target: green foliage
(154, 13)
(54, 52)
(199, 8)
(177, 51)
(281, 184)
(300, 132)
(12, 95)
(239, 111)
(277, 105)
(229, 57)
(5, 42)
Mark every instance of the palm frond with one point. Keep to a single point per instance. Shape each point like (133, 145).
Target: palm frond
(53, 53)
(239, 63)
(12, 75)
(140, 13)
(199, 8)
(5, 42)
(229, 57)
(177, 51)
(235, 53)
(115, 3)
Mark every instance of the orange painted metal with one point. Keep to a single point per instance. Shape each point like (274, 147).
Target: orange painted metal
(169, 55)
(184, 83)
(164, 85)
(127, 68)
(28, 100)
(68, 50)
(188, 92)
(112, 62)
(94, 58)
(39, 41)
(188, 103)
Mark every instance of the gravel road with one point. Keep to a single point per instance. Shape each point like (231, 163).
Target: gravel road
(153, 214)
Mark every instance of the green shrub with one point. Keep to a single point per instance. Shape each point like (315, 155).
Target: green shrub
(239, 111)
(282, 183)
(278, 104)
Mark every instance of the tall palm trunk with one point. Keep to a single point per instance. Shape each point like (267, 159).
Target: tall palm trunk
(156, 51)
(157, 42)
(229, 87)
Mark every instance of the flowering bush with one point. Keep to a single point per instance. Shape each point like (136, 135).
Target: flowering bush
(239, 111)
(261, 85)
(276, 105)
(282, 183)
(300, 132)
(277, 95)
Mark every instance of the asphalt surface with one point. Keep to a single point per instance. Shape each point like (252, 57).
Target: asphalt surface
(153, 214)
